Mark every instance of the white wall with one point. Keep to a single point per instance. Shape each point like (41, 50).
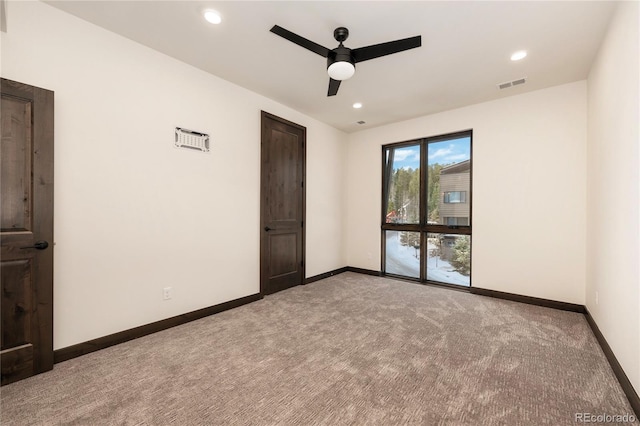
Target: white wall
(529, 190)
(132, 213)
(613, 190)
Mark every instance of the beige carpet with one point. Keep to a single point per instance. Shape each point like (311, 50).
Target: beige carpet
(351, 349)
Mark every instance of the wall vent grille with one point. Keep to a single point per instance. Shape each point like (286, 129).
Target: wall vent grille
(191, 140)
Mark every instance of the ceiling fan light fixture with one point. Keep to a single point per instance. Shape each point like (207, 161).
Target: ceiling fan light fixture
(341, 70)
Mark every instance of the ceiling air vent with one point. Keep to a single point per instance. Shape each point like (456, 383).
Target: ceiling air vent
(508, 84)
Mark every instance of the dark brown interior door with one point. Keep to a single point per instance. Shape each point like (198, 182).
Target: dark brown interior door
(282, 204)
(26, 234)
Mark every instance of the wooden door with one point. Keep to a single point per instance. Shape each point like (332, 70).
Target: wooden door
(282, 204)
(26, 232)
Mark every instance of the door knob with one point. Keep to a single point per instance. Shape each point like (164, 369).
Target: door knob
(38, 245)
(266, 228)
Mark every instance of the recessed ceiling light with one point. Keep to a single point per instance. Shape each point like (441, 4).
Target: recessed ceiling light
(520, 54)
(212, 16)
(357, 105)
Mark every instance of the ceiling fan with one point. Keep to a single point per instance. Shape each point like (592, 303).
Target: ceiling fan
(341, 61)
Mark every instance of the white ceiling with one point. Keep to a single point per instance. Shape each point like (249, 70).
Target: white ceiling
(465, 49)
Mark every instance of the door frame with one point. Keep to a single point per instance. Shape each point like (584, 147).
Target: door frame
(263, 136)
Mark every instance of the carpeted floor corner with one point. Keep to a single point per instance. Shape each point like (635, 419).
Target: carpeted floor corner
(349, 350)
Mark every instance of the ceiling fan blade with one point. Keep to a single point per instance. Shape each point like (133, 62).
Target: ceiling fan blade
(333, 87)
(301, 41)
(383, 49)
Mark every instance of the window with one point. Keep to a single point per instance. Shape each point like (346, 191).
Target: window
(456, 221)
(403, 186)
(426, 209)
(455, 197)
(403, 253)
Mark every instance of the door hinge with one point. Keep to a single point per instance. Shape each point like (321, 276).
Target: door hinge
(302, 184)
(302, 224)
(302, 264)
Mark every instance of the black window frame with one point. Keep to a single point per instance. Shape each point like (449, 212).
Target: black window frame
(424, 227)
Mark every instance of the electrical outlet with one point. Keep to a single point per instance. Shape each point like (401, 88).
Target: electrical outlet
(596, 297)
(167, 293)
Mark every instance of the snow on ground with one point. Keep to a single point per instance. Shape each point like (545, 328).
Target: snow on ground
(401, 260)
(441, 270)
(404, 260)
